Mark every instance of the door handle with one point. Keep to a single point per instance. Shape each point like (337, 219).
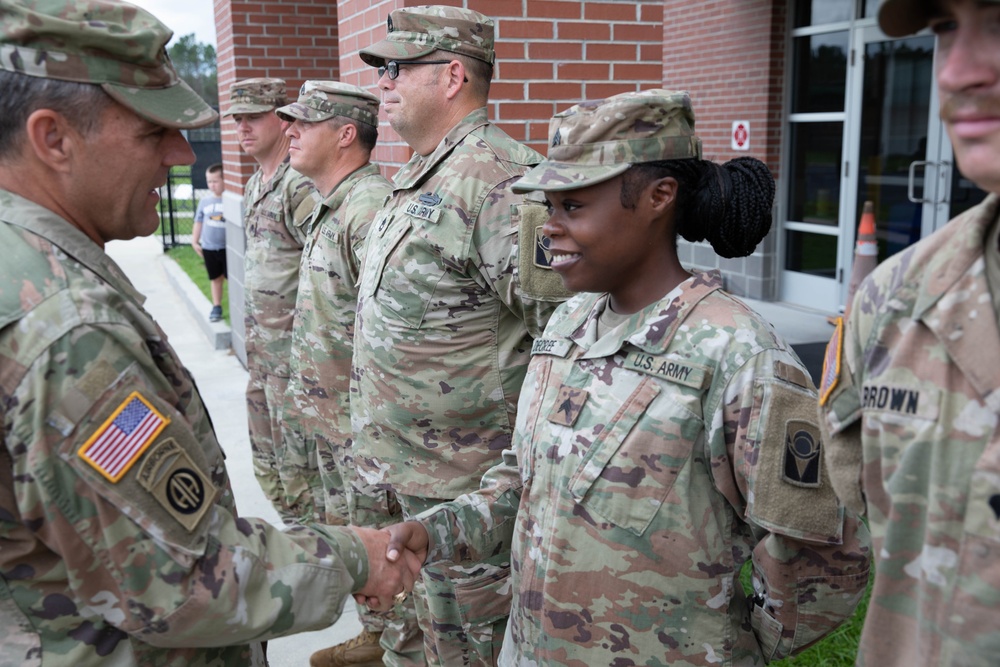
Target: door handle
(912, 180)
(944, 175)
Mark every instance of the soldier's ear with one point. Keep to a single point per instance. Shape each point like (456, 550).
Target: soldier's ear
(348, 134)
(663, 193)
(51, 138)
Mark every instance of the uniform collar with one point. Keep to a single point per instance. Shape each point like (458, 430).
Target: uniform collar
(414, 171)
(963, 323)
(42, 222)
(334, 200)
(651, 329)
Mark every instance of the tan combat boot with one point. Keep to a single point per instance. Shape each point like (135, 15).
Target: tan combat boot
(361, 650)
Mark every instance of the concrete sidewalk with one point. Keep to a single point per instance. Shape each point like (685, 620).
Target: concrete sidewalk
(222, 382)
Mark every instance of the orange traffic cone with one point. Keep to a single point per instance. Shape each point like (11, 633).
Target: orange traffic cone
(865, 253)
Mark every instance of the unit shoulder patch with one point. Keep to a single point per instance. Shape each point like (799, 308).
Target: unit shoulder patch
(179, 485)
(802, 454)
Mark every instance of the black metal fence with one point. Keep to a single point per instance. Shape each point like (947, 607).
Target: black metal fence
(178, 203)
(186, 187)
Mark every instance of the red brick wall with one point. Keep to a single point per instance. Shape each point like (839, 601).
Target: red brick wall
(550, 54)
(729, 54)
(295, 40)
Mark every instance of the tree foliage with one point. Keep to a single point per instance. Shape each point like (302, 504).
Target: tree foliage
(195, 62)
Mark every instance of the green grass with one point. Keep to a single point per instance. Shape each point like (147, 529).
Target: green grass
(839, 648)
(192, 264)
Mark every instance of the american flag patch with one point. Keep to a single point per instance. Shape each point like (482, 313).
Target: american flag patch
(123, 438)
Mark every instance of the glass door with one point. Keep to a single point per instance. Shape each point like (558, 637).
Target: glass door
(863, 126)
(897, 142)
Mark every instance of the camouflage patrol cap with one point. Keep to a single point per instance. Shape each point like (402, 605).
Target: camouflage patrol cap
(319, 100)
(598, 140)
(258, 95)
(413, 32)
(905, 17)
(109, 43)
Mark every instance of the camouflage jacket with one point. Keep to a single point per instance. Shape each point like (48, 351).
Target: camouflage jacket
(119, 540)
(316, 418)
(323, 329)
(276, 216)
(446, 315)
(912, 437)
(648, 466)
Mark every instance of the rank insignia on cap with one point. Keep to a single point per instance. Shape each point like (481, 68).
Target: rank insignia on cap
(543, 255)
(123, 437)
(831, 363)
(802, 454)
(569, 405)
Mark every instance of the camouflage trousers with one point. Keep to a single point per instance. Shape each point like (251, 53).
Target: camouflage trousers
(265, 399)
(462, 610)
(401, 636)
(300, 466)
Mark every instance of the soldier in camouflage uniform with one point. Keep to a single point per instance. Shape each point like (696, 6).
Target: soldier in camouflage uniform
(333, 129)
(909, 396)
(665, 435)
(277, 203)
(119, 539)
(452, 293)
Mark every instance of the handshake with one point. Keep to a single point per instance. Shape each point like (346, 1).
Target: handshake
(395, 555)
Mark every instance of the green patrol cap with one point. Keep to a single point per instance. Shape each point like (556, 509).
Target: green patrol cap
(258, 95)
(905, 17)
(319, 100)
(594, 141)
(413, 32)
(108, 43)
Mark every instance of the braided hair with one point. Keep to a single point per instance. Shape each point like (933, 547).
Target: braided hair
(728, 205)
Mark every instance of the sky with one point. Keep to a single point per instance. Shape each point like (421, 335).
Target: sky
(184, 17)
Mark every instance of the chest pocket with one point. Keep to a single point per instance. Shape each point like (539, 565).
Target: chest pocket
(636, 458)
(408, 272)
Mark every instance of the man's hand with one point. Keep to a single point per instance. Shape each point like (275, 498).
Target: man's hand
(386, 579)
(409, 536)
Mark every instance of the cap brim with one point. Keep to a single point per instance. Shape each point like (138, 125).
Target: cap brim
(177, 106)
(552, 176)
(897, 18)
(248, 108)
(379, 52)
(294, 111)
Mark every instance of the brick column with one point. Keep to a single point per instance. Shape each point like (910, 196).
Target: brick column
(730, 55)
(295, 40)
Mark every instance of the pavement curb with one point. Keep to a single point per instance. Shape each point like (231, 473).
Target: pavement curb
(218, 333)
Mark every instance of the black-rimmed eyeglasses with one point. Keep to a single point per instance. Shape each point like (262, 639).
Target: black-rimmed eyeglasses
(392, 66)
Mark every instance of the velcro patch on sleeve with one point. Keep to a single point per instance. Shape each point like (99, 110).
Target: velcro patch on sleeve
(792, 494)
(123, 437)
(534, 266)
(179, 485)
(831, 363)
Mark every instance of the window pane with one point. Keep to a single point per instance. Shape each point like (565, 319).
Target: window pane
(814, 177)
(820, 73)
(818, 12)
(815, 254)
